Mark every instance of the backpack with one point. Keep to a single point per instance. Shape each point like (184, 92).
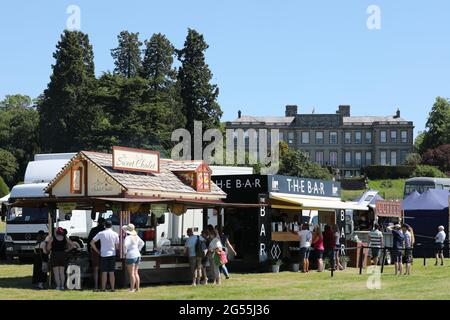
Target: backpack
(200, 248)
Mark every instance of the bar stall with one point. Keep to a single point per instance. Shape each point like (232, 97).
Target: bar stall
(266, 234)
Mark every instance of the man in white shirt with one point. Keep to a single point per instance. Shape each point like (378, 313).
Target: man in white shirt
(109, 243)
(440, 238)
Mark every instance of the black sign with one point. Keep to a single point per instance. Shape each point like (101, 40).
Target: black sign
(264, 231)
(341, 224)
(304, 186)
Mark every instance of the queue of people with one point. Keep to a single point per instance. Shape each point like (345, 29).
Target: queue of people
(208, 250)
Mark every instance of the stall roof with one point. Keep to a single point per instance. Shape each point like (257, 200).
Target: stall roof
(164, 181)
(317, 204)
(432, 200)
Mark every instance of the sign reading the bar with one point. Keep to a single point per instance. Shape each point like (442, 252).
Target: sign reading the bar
(137, 160)
(304, 186)
(388, 208)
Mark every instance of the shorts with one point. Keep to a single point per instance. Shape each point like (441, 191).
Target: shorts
(408, 255)
(58, 259)
(108, 264)
(439, 247)
(304, 253)
(130, 261)
(397, 255)
(95, 259)
(375, 252)
(319, 254)
(195, 263)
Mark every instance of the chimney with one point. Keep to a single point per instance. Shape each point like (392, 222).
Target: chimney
(397, 114)
(344, 110)
(239, 114)
(291, 110)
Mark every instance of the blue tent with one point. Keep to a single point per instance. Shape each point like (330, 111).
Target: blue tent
(424, 213)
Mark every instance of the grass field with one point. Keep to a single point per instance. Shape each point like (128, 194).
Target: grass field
(430, 282)
(388, 189)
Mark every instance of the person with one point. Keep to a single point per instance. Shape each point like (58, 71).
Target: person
(329, 244)
(215, 247)
(375, 243)
(439, 240)
(305, 245)
(132, 247)
(109, 243)
(397, 247)
(58, 246)
(337, 238)
(205, 262)
(226, 245)
(95, 258)
(40, 265)
(408, 248)
(317, 241)
(194, 262)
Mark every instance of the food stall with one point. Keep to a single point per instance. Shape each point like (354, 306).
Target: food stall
(264, 234)
(132, 182)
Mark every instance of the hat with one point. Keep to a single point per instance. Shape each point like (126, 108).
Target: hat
(397, 226)
(129, 228)
(60, 231)
(441, 228)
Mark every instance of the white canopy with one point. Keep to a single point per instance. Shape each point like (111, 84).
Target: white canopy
(29, 190)
(317, 203)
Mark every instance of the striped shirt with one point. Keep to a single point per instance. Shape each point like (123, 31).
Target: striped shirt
(375, 238)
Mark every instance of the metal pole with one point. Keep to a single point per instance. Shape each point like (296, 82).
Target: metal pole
(384, 258)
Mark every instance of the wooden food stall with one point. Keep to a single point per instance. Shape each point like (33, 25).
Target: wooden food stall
(129, 182)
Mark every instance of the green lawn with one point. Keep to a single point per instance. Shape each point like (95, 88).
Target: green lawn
(388, 189)
(428, 282)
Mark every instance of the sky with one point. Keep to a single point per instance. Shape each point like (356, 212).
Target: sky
(263, 54)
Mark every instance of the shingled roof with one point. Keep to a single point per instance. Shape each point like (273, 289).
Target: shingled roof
(164, 181)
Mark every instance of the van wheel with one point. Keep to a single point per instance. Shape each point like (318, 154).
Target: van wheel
(388, 259)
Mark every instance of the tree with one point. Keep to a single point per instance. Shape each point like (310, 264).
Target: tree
(15, 101)
(68, 116)
(418, 143)
(198, 94)
(439, 157)
(296, 163)
(19, 130)
(413, 159)
(157, 66)
(8, 166)
(428, 171)
(127, 56)
(4, 190)
(438, 125)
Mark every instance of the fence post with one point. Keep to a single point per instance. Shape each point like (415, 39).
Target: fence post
(361, 253)
(384, 258)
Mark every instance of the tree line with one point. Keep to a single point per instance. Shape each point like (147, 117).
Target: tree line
(138, 104)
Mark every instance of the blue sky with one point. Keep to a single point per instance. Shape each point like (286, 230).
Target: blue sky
(264, 54)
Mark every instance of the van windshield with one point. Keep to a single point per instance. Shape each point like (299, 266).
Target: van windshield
(28, 215)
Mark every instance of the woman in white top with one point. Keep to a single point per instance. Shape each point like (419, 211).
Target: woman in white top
(132, 247)
(215, 246)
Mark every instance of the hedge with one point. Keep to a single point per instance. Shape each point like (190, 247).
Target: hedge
(377, 172)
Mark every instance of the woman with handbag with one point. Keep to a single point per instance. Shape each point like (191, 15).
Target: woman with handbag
(40, 265)
(214, 251)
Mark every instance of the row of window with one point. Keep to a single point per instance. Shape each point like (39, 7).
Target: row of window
(358, 137)
(356, 158)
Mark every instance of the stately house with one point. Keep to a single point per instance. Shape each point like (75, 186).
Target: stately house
(340, 140)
